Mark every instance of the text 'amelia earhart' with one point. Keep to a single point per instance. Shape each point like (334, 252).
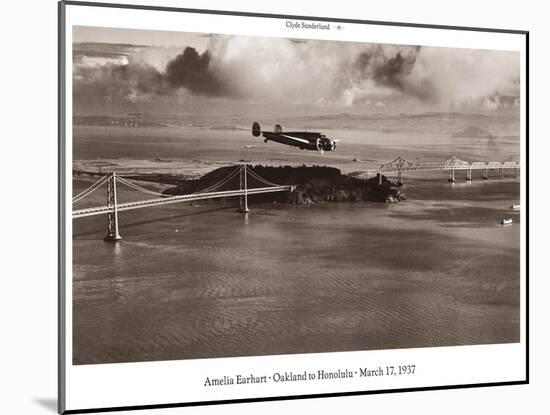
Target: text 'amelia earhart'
(282, 377)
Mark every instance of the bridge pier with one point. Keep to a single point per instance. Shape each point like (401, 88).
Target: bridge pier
(517, 172)
(486, 174)
(469, 175)
(452, 176)
(243, 185)
(112, 217)
(501, 173)
(399, 177)
(379, 178)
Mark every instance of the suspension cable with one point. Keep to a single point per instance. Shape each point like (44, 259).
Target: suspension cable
(90, 189)
(139, 188)
(217, 185)
(261, 179)
(220, 183)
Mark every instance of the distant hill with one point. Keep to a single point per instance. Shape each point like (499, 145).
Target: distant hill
(429, 122)
(453, 123)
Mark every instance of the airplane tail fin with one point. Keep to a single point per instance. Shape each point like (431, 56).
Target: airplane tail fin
(278, 129)
(256, 130)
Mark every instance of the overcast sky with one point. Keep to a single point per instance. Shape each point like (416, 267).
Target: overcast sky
(184, 71)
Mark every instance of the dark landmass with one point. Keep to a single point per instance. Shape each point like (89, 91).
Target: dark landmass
(161, 178)
(313, 184)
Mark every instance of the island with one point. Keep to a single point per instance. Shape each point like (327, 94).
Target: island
(314, 184)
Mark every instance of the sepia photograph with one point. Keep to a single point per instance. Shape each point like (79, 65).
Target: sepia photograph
(242, 195)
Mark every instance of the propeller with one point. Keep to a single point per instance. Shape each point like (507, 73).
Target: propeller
(318, 143)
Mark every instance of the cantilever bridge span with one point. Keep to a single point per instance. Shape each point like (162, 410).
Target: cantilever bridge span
(452, 164)
(116, 184)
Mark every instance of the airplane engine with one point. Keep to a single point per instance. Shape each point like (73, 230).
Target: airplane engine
(256, 129)
(318, 143)
(333, 145)
(278, 129)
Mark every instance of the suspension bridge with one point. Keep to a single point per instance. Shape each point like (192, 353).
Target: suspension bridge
(118, 192)
(400, 166)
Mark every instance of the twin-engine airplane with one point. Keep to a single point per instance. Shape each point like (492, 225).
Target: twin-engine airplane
(301, 139)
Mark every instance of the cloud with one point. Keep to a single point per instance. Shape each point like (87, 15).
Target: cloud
(275, 69)
(459, 77)
(317, 73)
(157, 57)
(386, 65)
(500, 101)
(115, 83)
(192, 71)
(137, 77)
(442, 77)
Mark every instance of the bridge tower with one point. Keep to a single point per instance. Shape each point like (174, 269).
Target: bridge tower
(243, 186)
(112, 217)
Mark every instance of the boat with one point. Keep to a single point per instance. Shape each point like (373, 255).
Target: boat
(514, 207)
(506, 221)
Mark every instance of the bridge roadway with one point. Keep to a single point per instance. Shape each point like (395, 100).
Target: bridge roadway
(426, 167)
(100, 210)
(452, 164)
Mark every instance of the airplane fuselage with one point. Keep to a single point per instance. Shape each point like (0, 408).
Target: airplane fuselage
(302, 139)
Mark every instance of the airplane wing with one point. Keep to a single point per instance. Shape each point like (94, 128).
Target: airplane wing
(298, 140)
